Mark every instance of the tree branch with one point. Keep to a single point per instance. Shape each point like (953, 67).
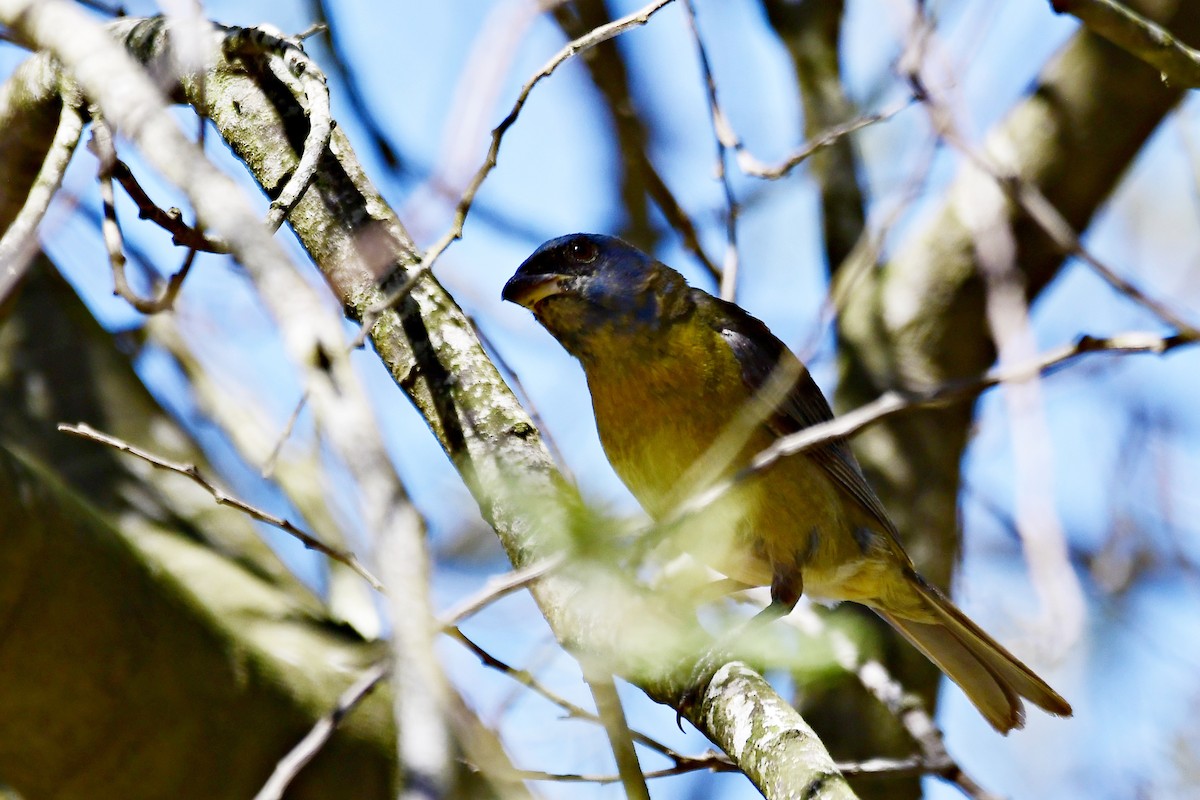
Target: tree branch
(1142, 37)
(307, 748)
(191, 472)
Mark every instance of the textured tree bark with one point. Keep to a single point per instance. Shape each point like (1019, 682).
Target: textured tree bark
(153, 643)
(432, 351)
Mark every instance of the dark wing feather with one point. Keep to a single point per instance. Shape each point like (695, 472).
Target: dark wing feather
(759, 351)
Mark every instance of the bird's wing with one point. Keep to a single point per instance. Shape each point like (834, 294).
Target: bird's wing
(759, 352)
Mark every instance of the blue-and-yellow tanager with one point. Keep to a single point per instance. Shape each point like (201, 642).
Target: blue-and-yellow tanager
(673, 373)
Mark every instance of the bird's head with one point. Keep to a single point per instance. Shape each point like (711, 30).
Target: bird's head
(590, 290)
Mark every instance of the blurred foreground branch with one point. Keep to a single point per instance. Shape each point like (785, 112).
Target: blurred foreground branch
(1129, 30)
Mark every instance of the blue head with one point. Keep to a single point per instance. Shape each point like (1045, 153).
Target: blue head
(585, 288)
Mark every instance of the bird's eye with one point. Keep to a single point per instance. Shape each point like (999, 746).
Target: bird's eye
(583, 251)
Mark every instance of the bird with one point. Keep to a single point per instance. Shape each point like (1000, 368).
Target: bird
(686, 388)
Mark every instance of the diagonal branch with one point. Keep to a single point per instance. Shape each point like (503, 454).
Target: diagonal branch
(19, 244)
(1129, 30)
(192, 472)
(307, 748)
(722, 133)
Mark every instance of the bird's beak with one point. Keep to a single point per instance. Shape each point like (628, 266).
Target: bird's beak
(529, 290)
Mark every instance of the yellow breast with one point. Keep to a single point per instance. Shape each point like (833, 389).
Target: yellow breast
(661, 416)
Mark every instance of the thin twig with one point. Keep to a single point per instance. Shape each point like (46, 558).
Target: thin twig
(759, 169)
(934, 758)
(499, 586)
(101, 144)
(682, 767)
(1043, 213)
(874, 767)
(170, 220)
(572, 48)
(527, 679)
(19, 243)
(723, 134)
(313, 88)
(312, 30)
(307, 748)
(896, 401)
(268, 467)
(191, 471)
(1052, 222)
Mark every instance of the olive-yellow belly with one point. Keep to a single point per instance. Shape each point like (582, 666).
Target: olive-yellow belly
(664, 424)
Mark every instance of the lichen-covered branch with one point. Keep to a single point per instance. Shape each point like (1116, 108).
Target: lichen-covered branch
(431, 350)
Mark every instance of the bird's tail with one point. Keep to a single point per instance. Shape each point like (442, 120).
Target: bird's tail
(992, 678)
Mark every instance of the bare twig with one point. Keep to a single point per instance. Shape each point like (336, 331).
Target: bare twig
(572, 48)
(268, 467)
(521, 676)
(191, 471)
(725, 138)
(1043, 212)
(303, 476)
(527, 679)
(712, 762)
(312, 88)
(20, 242)
(681, 767)
(759, 169)
(170, 220)
(879, 683)
(307, 748)
(895, 402)
(1124, 27)
(101, 144)
(497, 587)
(312, 30)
